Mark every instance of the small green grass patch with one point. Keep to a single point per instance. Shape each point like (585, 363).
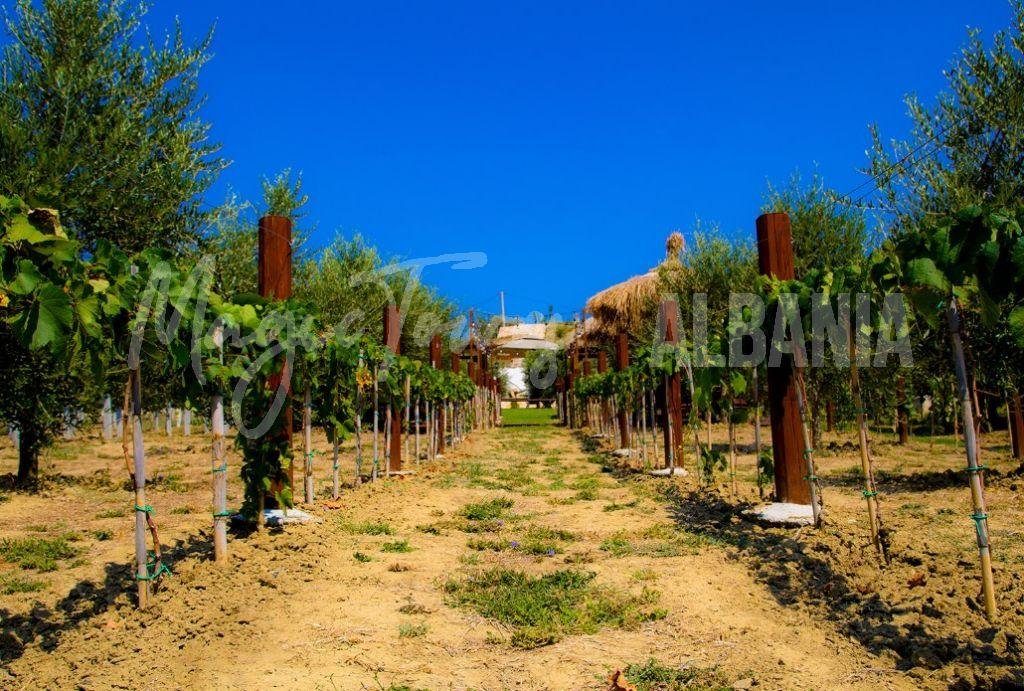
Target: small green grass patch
(38, 553)
(544, 609)
(12, 584)
(654, 676)
(367, 528)
(397, 547)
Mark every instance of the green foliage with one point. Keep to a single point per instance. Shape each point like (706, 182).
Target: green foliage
(544, 609)
(13, 584)
(654, 676)
(103, 118)
(406, 630)
(397, 547)
(37, 553)
(367, 528)
(491, 509)
(282, 197)
(967, 147)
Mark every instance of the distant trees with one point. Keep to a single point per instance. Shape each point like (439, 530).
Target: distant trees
(103, 122)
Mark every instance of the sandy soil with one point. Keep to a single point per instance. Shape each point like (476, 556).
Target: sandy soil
(787, 609)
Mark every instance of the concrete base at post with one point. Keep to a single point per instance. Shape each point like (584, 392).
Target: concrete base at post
(669, 472)
(782, 514)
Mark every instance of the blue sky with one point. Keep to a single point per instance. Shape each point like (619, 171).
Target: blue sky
(565, 140)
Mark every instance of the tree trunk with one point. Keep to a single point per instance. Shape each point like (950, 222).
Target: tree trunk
(28, 457)
(902, 423)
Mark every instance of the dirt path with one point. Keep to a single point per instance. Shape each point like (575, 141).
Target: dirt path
(326, 607)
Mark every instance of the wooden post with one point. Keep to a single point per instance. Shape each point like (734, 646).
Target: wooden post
(392, 332)
(1016, 420)
(673, 411)
(621, 364)
(275, 281)
(775, 258)
(435, 362)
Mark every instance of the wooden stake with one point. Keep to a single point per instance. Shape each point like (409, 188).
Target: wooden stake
(975, 472)
(307, 445)
(142, 575)
(220, 465)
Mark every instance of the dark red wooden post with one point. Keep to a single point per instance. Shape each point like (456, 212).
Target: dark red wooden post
(1016, 423)
(435, 362)
(775, 258)
(673, 412)
(392, 335)
(621, 364)
(274, 280)
(456, 368)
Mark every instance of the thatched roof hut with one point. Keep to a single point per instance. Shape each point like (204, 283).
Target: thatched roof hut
(629, 305)
(625, 306)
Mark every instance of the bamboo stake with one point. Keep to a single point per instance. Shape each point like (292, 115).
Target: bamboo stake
(142, 510)
(335, 469)
(220, 466)
(408, 413)
(359, 432)
(812, 479)
(387, 440)
(732, 444)
(974, 470)
(307, 444)
(757, 435)
(867, 465)
(376, 426)
(417, 407)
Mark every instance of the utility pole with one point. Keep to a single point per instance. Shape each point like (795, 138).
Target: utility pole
(501, 293)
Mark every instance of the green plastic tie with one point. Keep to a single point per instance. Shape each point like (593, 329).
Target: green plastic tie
(223, 514)
(979, 517)
(153, 571)
(811, 478)
(808, 452)
(869, 493)
(978, 469)
(147, 509)
(221, 468)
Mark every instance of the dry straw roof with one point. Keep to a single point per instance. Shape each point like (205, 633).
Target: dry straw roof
(624, 306)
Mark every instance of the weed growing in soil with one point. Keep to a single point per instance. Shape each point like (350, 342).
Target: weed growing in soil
(654, 676)
(492, 509)
(11, 584)
(38, 553)
(615, 506)
(102, 535)
(397, 547)
(362, 558)
(367, 528)
(412, 630)
(112, 513)
(544, 609)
